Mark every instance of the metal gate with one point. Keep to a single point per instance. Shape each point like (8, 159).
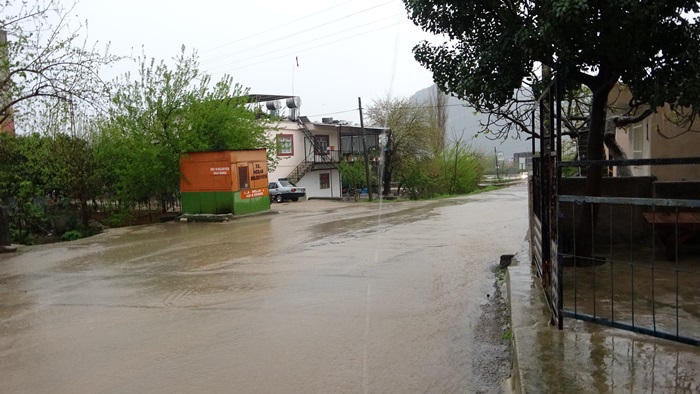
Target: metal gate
(643, 273)
(544, 186)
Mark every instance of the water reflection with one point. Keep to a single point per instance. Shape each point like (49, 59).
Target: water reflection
(602, 362)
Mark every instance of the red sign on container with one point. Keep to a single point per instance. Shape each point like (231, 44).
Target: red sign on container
(253, 193)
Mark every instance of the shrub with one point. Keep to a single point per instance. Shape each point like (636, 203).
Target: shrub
(120, 219)
(72, 235)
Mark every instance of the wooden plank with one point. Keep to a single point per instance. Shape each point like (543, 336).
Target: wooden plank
(672, 217)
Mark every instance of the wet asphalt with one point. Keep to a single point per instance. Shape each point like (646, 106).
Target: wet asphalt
(320, 296)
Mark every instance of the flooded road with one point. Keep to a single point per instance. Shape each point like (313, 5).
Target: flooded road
(322, 297)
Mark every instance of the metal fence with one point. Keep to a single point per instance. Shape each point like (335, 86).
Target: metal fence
(641, 270)
(642, 274)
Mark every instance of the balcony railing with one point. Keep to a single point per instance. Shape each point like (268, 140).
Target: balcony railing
(332, 156)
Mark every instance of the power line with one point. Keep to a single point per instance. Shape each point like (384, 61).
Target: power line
(411, 107)
(317, 39)
(277, 27)
(294, 34)
(307, 49)
(334, 113)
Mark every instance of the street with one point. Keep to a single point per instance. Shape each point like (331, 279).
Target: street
(322, 296)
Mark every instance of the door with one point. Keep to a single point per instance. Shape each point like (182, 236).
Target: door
(321, 144)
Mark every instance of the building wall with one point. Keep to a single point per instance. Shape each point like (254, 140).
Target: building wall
(287, 164)
(661, 138)
(312, 182)
(624, 137)
(302, 149)
(668, 141)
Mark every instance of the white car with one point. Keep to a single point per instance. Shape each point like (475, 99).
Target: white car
(282, 190)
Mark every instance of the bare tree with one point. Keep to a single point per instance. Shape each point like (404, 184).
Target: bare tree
(46, 55)
(515, 118)
(409, 134)
(437, 112)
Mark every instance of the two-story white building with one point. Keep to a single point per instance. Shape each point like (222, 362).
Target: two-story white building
(310, 152)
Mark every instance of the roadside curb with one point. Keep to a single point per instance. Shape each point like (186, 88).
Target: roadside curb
(525, 313)
(189, 218)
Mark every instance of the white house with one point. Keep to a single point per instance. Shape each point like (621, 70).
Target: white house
(310, 152)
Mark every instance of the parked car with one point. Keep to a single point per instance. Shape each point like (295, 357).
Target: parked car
(282, 190)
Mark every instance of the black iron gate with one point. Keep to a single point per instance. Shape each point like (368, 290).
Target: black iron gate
(641, 275)
(544, 186)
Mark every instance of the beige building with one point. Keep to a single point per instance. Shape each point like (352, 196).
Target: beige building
(657, 136)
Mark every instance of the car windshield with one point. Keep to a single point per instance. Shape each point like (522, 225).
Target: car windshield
(285, 183)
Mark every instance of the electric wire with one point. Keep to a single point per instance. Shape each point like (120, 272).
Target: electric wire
(276, 27)
(306, 49)
(408, 107)
(301, 50)
(277, 40)
(311, 41)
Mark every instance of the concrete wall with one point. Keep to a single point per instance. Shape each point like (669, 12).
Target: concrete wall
(311, 181)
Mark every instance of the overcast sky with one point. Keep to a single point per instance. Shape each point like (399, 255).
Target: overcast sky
(345, 49)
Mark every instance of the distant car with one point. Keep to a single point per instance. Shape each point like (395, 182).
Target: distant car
(282, 190)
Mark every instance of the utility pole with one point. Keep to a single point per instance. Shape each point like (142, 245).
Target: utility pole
(364, 150)
(495, 156)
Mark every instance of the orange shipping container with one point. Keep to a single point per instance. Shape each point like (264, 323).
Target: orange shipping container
(223, 171)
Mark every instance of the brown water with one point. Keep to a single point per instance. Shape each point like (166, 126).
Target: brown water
(321, 297)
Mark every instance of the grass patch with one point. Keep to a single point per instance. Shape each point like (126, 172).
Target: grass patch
(507, 334)
(499, 272)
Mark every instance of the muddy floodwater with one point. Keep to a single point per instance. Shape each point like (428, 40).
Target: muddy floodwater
(320, 297)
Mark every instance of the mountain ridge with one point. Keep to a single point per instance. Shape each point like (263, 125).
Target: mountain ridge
(463, 121)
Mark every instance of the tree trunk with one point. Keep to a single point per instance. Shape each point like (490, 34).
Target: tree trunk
(4, 228)
(616, 151)
(386, 175)
(5, 244)
(85, 214)
(585, 233)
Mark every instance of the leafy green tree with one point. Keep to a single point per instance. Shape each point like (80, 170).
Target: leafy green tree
(461, 169)
(41, 175)
(76, 171)
(45, 57)
(416, 153)
(651, 46)
(25, 183)
(415, 179)
(409, 136)
(353, 174)
(163, 114)
(456, 170)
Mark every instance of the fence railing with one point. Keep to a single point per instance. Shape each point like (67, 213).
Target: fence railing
(643, 272)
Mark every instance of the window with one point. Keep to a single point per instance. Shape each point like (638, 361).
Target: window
(321, 142)
(243, 178)
(638, 141)
(324, 180)
(285, 144)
